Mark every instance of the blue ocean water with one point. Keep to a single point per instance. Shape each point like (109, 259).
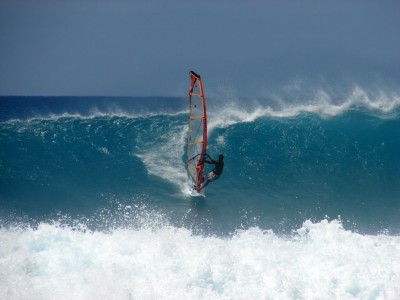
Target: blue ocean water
(94, 200)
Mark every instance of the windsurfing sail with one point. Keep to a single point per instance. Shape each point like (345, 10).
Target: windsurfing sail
(197, 133)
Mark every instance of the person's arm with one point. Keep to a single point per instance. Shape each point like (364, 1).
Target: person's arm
(209, 160)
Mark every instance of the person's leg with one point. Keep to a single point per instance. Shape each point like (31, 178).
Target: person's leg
(210, 177)
(205, 184)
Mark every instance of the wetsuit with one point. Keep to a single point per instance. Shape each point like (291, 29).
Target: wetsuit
(219, 166)
(215, 173)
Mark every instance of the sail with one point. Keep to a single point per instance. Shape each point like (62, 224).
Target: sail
(197, 133)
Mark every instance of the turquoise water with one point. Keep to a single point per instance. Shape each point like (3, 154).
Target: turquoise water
(95, 191)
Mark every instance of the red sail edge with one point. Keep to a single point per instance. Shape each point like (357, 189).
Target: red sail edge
(197, 133)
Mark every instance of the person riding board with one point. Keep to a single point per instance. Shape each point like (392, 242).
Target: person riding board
(216, 172)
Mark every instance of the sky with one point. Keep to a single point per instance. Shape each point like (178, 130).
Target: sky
(147, 48)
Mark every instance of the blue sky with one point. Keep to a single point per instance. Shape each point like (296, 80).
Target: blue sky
(145, 48)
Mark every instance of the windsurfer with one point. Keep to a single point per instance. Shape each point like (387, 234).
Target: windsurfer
(216, 172)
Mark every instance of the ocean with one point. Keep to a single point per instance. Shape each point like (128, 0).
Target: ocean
(94, 199)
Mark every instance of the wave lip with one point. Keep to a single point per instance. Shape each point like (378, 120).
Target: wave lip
(321, 103)
(53, 108)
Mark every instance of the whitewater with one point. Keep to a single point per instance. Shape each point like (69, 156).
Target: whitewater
(94, 199)
(319, 261)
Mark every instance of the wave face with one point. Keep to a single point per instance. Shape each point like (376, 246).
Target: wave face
(307, 205)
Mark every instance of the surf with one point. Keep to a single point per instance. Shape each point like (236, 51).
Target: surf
(315, 260)
(95, 199)
(280, 170)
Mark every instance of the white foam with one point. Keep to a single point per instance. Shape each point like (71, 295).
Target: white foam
(93, 114)
(319, 261)
(164, 158)
(320, 103)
